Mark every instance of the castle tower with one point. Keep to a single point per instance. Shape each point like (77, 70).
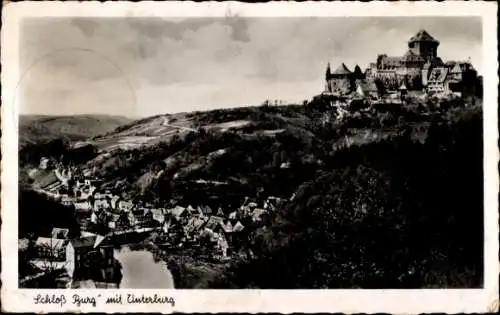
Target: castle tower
(424, 45)
(341, 80)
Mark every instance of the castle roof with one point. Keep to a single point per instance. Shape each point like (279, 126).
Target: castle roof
(342, 69)
(423, 36)
(438, 75)
(411, 56)
(390, 61)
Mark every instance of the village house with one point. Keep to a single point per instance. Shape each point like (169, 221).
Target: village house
(158, 215)
(50, 248)
(93, 217)
(238, 227)
(83, 205)
(213, 222)
(222, 245)
(100, 204)
(140, 217)
(180, 213)
(233, 215)
(126, 206)
(206, 210)
(257, 214)
(90, 257)
(67, 200)
(119, 221)
(115, 200)
(194, 226)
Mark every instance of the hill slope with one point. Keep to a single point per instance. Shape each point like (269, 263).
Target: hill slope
(389, 197)
(37, 128)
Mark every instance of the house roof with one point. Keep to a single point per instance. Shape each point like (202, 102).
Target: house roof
(54, 243)
(238, 227)
(206, 209)
(194, 224)
(87, 241)
(422, 36)
(213, 221)
(177, 211)
(227, 227)
(157, 212)
(220, 212)
(59, 233)
(233, 214)
(342, 69)
(391, 61)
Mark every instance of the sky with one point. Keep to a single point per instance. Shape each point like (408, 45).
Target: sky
(138, 67)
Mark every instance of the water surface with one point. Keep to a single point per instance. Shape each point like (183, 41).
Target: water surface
(140, 271)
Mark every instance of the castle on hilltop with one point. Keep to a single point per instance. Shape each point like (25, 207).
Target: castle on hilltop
(419, 69)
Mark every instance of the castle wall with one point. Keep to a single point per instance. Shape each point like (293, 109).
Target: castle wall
(340, 85)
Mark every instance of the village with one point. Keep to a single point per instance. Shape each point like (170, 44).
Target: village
(107, 221)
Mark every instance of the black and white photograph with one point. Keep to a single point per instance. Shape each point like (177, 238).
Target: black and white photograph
(250, 152)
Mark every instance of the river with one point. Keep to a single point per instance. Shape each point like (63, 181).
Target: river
(140, 271)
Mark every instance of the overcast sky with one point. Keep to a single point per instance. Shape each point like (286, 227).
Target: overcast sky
(147, 66)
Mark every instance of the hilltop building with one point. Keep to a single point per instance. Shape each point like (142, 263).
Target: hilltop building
(419, 69)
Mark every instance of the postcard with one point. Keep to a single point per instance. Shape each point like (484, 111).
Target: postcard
(280, 157)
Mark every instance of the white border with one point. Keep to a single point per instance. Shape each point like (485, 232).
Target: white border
(308, 301)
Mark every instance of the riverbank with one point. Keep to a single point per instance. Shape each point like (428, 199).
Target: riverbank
(189, 270)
